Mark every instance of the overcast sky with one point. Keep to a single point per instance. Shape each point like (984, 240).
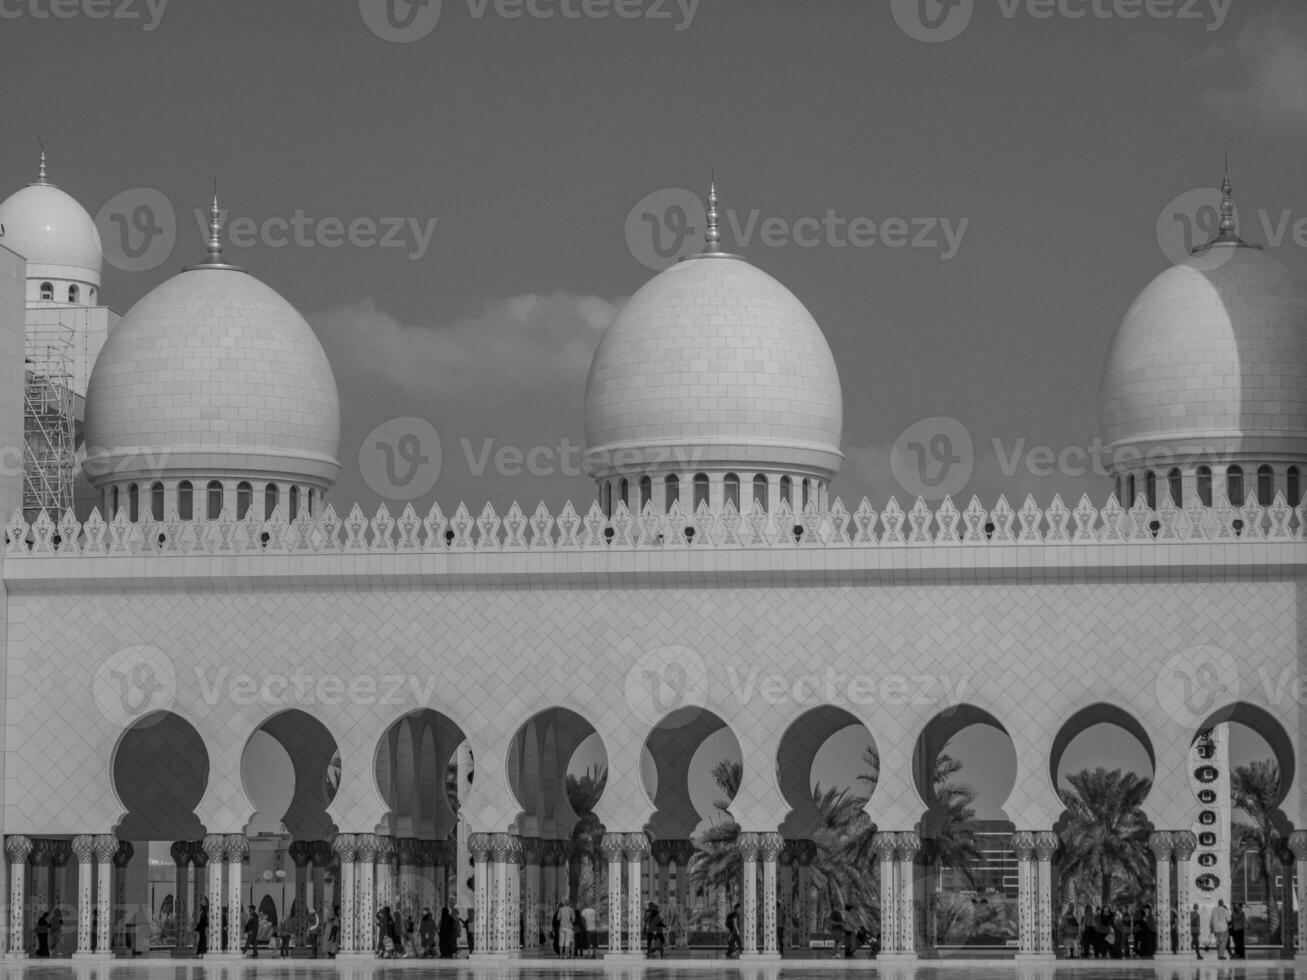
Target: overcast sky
(1031, 159)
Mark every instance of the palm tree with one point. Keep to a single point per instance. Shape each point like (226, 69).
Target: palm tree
(1105, 838)
(1255, 789)
(583, 793)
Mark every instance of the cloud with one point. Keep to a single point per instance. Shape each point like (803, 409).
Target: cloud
(512, 375)
(1264, 69)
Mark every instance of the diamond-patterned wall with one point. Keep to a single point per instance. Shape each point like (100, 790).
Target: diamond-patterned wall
(1031, 654)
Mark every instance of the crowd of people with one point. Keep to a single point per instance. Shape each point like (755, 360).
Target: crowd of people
(1123, 932)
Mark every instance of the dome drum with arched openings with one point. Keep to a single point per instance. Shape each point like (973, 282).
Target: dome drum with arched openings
(1209, 368)
(213, 376)
(714, 368)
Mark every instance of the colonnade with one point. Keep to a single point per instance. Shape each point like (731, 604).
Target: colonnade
(519, 881)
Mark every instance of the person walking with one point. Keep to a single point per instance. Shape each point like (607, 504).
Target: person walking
(1220, 925)
(314, 934)
(43, 936)
(251, 932)
(1070, 932)
(202, 931)
(1196, 930)
(734, 947)
(589, 919)
(1088, 942)
(566, 936)
(1147, 933)
(333, 932)
(1238, 930)
(442, 935)
(467, 929)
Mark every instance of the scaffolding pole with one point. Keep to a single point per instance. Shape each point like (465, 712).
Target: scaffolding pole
(49, 425)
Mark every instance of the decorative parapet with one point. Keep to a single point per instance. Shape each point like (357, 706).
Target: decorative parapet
(569, 530)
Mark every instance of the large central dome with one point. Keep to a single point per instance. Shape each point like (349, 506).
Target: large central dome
(713, 365)
(213, 375)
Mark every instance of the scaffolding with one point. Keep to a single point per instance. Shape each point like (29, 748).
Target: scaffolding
(49, 424)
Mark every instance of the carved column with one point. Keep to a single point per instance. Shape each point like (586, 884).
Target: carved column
(906, 857)
(181, 859)
(637, 849)
(106, 846)
(236, 847)
(1162, 844)
(17, 848)
(84, 847)
(513, 922)
(886, 846)
(122, 857)
(346, 848)
(613, 848)
(1045, 847)
(215, 849)
(1023, 843)
(386, 877)
(769, 850)
(479, 847)
(1184, 843)
(501, 851)
(1298, 846)
(749, 845)
(410, 901)
(365, 867)
(532, 855)
(661, 852)
(39, 900)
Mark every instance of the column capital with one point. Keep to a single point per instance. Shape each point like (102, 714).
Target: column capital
(1023, 843)
(198, 856)
(613, 847)
(908, 844)
(1046, 844)
(408, 850)
(367, 846)
(637, 847)
(17, 847)
(770, 845)
(42, 852)
(237, 846)
(300, 851)
(532, 850)
(1185, 843)
(346, 845)
(1162, 844)
(885, 844)
(84, 847)
(123, 856)
(60, 852)
(501, 847)
(215, 847)
(1298, 844)
(106, 846)
(385, 848)
(478, 846)
(748, 845)
(662, 850)
(181, 852)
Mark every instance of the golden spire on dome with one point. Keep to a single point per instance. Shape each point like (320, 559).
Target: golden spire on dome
(713, 237)
(214, 259)
(41, 177)
(1227, 229)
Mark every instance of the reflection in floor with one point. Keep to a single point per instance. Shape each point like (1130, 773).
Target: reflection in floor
(273, 969)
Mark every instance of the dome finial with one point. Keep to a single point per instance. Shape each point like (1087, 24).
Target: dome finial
(1227, 228)
(41, 177)
(713, 236)
(214, 258)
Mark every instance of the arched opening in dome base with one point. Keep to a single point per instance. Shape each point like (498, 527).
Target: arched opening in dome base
(964, 768)
(160, 774)
(423, 769)
(826, 766)
(1104, 856)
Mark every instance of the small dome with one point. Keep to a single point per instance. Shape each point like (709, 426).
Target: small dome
(49, 228)
(713, 364)
(213, 375)
(1210, 361)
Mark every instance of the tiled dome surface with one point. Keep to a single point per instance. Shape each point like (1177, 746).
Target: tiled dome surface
(216, 364)
(714, 352)
(48, 227)
(1214, 347)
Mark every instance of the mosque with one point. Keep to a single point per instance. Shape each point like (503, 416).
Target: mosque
(179, 587)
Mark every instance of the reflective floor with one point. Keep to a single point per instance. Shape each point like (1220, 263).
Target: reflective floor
(164, 969)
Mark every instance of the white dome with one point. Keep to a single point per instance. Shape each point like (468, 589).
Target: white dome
(713, 364)
(213, 375)
(49, 228)
(1211, 360)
